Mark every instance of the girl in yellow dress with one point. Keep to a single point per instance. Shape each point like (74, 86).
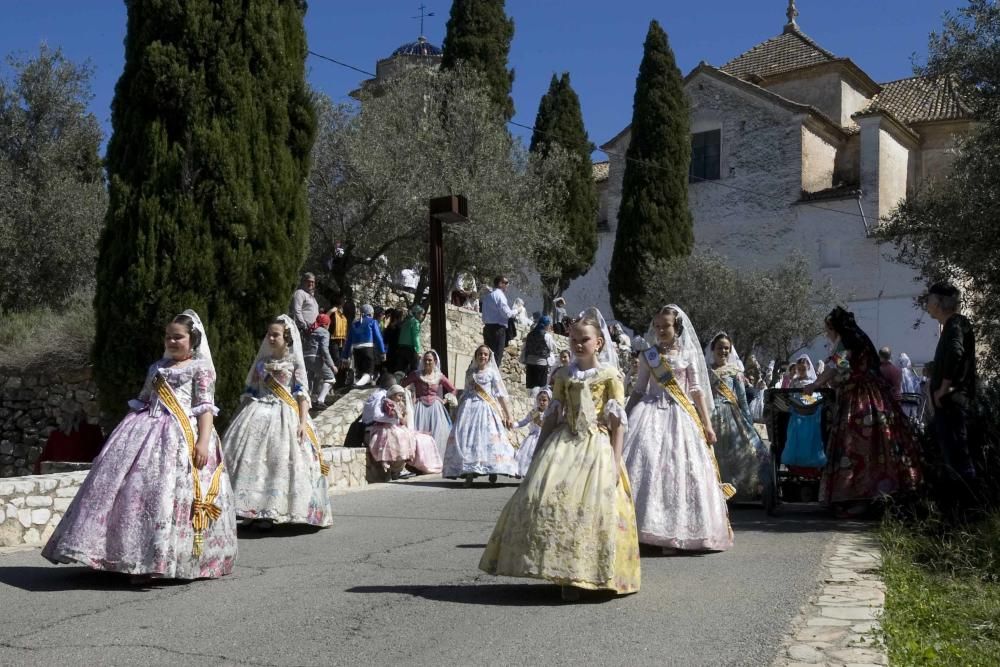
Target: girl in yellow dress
(572, 520)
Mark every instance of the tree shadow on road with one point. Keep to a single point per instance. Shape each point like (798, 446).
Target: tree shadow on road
(42, 579)
(490, 595)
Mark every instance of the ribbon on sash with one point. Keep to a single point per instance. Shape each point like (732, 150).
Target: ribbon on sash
(495, 406)
(203, 509)
(279, 390)
(661, 371)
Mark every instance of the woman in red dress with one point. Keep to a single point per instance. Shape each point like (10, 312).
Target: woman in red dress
(872, 452)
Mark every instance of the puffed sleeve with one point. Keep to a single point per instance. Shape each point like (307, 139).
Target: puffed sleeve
(300, 383)
(614, 393)
(448, 387)
(203, 391)
(146, 394)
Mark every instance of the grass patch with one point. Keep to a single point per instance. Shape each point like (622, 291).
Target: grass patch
(48, 339)
(942, 593)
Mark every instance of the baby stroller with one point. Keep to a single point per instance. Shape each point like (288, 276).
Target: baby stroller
(914, 407)
(807, 418)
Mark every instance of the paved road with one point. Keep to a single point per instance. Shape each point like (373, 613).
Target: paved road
(395, 581)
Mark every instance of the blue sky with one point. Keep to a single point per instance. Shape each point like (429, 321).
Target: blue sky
(598, 42)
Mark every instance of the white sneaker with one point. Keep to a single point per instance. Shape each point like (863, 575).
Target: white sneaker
(363, 381)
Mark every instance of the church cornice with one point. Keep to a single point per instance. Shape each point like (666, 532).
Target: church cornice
(844, 65)
(818, 120)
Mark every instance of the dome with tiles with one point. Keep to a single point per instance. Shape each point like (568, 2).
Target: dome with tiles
(421, 47)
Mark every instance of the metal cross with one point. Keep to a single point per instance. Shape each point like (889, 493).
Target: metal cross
(423, 14)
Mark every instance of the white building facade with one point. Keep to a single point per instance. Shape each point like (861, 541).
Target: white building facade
(795, 149)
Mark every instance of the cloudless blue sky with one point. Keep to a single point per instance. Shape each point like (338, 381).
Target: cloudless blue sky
(598, 42)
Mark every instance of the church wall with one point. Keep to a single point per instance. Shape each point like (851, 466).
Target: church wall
(847, 168)
(819, 158)
(821, 90)
(852, 100)
(938, 148)
(832, 237)
(895, 163)
(762, 156)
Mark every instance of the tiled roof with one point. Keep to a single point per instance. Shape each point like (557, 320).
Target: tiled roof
(602, 170)
(789, 51)
(920, 99)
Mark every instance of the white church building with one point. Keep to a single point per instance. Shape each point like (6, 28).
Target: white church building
(794, 148)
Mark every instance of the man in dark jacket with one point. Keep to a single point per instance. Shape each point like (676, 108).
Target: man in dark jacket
(953, 390)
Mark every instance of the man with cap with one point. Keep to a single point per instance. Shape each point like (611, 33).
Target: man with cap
(953, 390)
(364, 340)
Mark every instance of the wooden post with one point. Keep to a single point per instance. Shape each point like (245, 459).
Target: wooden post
(453, 208)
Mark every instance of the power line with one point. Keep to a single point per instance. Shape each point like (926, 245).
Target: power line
(643, 163)
(337, 62)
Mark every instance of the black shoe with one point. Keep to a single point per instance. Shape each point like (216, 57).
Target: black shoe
(468, 482)
(493, 479)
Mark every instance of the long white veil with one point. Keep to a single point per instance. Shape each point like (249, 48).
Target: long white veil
(688, 344)
(608, 354)
(734, 356)
(204, 350)
(295, 351)
(493, 368)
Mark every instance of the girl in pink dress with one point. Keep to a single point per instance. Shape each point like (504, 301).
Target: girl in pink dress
(158, 502)
(434, 392)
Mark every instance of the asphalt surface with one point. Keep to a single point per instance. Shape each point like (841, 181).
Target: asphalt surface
(395, 580)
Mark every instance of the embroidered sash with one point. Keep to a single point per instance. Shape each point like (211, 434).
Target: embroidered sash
(661, 371)
(497, 410)
(279, 390)
(203, 510)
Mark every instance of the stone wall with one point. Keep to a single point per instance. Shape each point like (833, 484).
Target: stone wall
(31, 507)
(32, 405)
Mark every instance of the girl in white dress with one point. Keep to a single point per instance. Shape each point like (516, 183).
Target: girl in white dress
(271, 448)
(480, 441)
(533, 420)
(680, 502)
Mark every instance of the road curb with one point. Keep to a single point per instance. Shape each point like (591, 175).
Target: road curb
(839, 624)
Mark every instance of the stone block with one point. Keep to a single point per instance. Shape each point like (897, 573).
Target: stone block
(24, 516)
(31, 536)
(6, 489)
(11, 532)
(40, 517)
(38, 501)
(67, 491)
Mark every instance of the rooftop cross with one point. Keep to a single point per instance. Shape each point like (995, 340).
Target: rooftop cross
(423, 14)
(791, 14)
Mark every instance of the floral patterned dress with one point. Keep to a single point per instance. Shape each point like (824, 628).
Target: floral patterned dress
(275, 475)
(571, 521)
(872, 451)
(479, 444)
(133, 513)
(679, 500)
(744, 460)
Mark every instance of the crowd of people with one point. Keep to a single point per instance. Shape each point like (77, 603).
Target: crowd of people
(601, 471)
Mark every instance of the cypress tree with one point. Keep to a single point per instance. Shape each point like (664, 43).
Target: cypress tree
(560, 123)
(654, 222)
(212, 130)
(479, 33)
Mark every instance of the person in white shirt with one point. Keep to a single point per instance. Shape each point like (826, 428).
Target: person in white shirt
(496, 312)
(303, 309)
